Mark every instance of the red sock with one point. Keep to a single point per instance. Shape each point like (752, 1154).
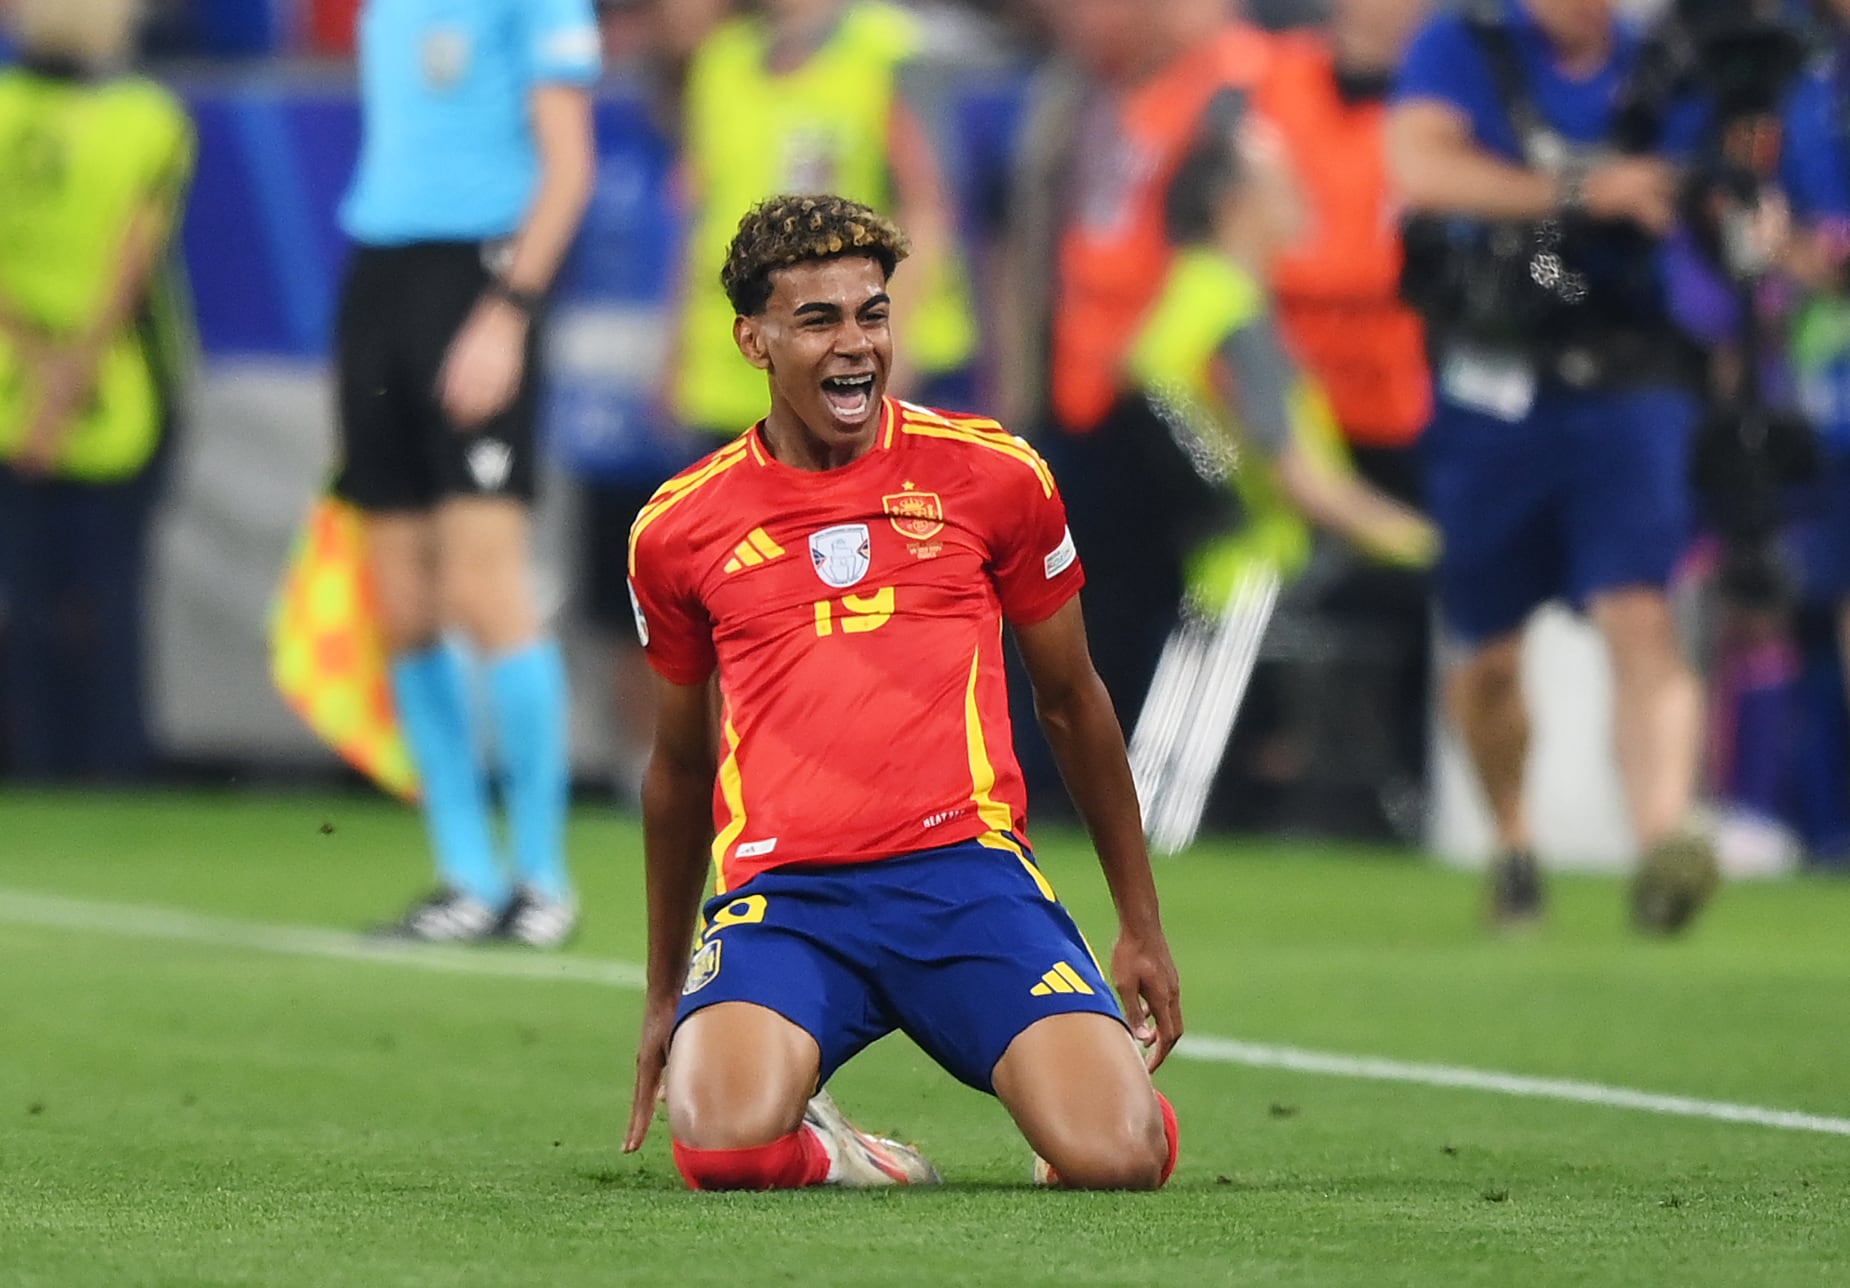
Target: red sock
(787, 1163)
(1172, 1132)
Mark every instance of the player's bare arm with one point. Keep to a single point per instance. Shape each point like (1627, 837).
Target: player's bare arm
(677, 827)
(483, 370)
(1087, 743)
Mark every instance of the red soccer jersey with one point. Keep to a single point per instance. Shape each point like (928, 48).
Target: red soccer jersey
(855, 618)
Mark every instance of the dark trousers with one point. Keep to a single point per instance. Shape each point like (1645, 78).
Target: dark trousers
(72, 558)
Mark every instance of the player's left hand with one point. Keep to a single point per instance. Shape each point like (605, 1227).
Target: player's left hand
(481, 373)
(651, 1063)
(1145, 975)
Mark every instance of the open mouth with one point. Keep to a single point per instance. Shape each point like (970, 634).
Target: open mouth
(850, 398)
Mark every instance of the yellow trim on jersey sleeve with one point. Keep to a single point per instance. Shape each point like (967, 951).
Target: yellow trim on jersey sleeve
(732, 791)
(929, 424)
(679, 489)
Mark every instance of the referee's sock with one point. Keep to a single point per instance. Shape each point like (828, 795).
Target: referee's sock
(527, 701)
(433, 705)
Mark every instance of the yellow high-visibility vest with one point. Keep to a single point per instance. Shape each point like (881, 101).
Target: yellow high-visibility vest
(752, 134)
(78, 162)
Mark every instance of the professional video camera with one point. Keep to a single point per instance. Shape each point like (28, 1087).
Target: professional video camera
(1740, 59)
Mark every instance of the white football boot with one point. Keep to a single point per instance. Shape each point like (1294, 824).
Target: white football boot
(859, 1159)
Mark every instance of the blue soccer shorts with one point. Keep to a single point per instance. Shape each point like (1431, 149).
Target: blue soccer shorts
(1588, 492)
(959, 948)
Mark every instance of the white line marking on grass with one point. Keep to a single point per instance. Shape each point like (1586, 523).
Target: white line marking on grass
(1259, 1056)
(140, 921)
(144, 922)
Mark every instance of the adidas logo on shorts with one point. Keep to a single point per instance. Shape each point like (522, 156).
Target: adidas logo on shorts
(1061, 979)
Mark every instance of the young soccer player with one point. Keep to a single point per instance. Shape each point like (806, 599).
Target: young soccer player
(844, 570)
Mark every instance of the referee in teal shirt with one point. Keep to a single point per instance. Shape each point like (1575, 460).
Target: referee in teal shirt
(476, 163)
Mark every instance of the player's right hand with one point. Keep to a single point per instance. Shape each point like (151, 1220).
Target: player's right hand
(651, 1063)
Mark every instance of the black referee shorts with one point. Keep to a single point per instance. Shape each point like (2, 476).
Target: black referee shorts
(400, 308)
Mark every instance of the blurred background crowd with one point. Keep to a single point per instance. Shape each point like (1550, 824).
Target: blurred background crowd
(149, 580)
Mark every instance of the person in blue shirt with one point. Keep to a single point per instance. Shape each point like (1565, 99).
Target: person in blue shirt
(1558, 471)
(476, 164)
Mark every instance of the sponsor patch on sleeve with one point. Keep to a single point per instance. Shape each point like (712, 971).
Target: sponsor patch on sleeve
(1061, 557)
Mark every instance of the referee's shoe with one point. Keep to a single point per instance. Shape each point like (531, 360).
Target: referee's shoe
(447, 916)
(537, 921)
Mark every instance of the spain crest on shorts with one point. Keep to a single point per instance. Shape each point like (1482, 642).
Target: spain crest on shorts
(704, 969)
(841, 554)
(919, 515)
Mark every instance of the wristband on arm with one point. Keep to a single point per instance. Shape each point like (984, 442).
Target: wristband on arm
(528, 302)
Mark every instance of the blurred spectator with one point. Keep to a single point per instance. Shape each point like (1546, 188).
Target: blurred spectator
(1260, 461)
(672, 32)
(802, 96)
(812, 96)
(1558, 456)
(94, 166)
(1816, 178)
(1210, 363)
(1338, 287)
(1337, 291)
(1133, 89)
(476, 164)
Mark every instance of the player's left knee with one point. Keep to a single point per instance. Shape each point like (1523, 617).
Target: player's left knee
(1136, 1153)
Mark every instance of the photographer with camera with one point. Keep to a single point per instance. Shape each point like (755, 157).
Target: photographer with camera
(1558, 456)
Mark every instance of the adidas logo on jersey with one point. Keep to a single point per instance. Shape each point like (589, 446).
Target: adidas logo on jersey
(757, 548)
(1061, 979)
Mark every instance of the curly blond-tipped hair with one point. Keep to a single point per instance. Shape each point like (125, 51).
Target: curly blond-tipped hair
(782, 231)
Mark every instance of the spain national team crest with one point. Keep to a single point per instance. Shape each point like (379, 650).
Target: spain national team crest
(704, 969)
(841, 554)
(919, 515)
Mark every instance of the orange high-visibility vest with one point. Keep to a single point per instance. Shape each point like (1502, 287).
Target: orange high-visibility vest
(1337, 290)
(1112, 263)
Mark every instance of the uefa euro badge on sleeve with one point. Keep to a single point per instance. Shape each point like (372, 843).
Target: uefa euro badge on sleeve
(1483, 380)
(326, 657)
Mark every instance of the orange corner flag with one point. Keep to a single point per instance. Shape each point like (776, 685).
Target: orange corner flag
(326, 657)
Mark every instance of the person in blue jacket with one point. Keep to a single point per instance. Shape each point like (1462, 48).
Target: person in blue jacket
(1557, 464)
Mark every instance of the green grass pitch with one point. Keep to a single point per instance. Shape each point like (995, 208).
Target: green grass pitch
(181, 1106)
